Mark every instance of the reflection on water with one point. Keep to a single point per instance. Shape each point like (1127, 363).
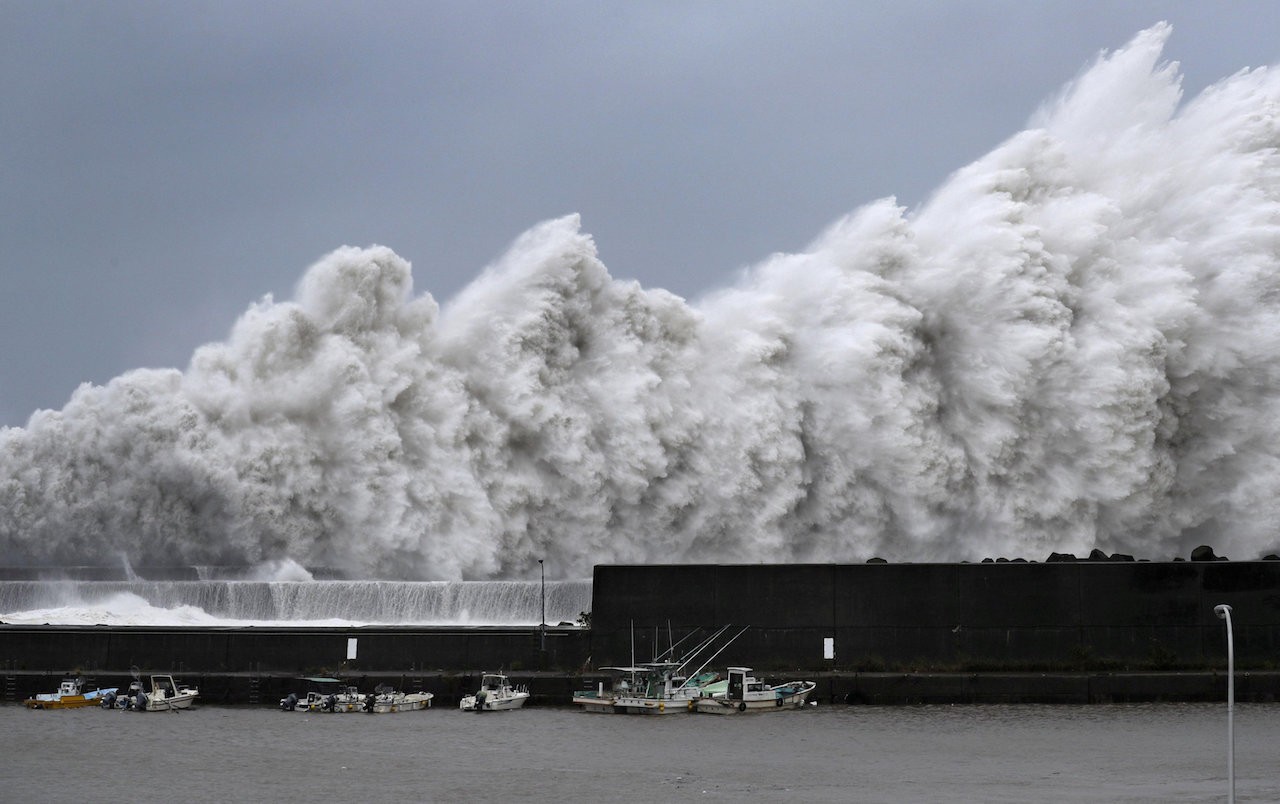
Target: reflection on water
(1141, 753)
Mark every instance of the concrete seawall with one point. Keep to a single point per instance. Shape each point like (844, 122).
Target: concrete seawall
(261, 665)
(298, 651)
(1082, 632)
(993, 617)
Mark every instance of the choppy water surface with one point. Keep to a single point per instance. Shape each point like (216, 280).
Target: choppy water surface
(1147, 753)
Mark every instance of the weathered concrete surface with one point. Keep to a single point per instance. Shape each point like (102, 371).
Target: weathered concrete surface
(1071, 632)
(296, 651)
(1059, 688)
(992, 616)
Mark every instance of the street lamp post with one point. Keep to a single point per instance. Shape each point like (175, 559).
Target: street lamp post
(1224, 613)
(543, 627)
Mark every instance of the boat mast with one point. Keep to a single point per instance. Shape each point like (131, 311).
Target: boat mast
(672, 650)
(706, 643)
(717, 653)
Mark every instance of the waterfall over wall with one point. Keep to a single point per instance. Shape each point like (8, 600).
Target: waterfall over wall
(292, 602)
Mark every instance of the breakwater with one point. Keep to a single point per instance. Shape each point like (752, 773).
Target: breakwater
(988, 617)
(1088, 631)
(261, 665)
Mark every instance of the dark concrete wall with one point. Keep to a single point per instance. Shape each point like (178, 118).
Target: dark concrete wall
(266, 689)
(300, 651)
(956, 632)
(261, 665)
(995, 616)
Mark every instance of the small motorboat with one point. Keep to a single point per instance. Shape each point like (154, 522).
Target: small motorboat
(324, 695)
(70, 695)
(385, 700)
(495, 695)
(165, 695)
(124, 700)
(744, 693)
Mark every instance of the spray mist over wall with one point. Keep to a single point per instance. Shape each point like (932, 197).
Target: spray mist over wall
(1074, 344)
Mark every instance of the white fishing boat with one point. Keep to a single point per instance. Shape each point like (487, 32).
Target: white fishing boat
(347, 699)
(744, 693)
(386, 700)
(165, 696)
(70, 695)
(600, 699)
(657, 687)
(495, 695)
(324, 695)
(309, 702)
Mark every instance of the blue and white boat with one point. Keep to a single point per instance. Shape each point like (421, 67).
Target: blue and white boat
(742, 692)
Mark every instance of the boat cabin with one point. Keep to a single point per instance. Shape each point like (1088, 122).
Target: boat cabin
(163, 687)
(493, 682)
(741, 684)
(68, 687)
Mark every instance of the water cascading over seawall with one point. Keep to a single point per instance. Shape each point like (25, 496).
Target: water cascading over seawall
(1074, 344)
(280, 603)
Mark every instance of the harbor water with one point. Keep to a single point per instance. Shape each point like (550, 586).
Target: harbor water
(1131, 753)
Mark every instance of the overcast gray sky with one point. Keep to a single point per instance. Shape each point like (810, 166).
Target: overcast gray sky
(165, 164)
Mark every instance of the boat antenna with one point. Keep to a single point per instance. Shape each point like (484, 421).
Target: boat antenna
(672, 650)
(695, 673)
(706, 643)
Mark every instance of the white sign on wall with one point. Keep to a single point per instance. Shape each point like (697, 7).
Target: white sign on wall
(351, 647)
(828, 647)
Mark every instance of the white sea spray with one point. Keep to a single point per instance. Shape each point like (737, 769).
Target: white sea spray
(1075, 343)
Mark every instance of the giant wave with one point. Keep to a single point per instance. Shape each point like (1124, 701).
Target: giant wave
(1074, 344)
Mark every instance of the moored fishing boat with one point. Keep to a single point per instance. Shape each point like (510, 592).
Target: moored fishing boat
(600, 699)
(386, 700)
(124, 700)
(657, 687)
(348, 699)
(164, 696)
(70, 695)
(324, 695)
(743, 692)
(495, 695)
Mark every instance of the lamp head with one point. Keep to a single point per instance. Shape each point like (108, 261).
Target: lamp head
(1222, 609)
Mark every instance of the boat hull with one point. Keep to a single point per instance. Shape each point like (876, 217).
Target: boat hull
(68, 702)
(637, 705)
(183, 700)
(470, 704)
(55, 701)
(592, 703)
(632, 705)
(338, 708)
(775, 703)
(401, 703)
